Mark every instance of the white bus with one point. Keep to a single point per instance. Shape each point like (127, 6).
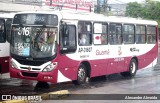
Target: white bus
(58, 47)
(5, 27)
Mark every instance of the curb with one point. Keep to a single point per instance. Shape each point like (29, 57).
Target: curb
(45, 96)
(58, 94)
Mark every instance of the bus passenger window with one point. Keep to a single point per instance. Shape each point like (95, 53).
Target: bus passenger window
(128, 33)
(2, 33)
(100, 33)
(104, 39)
(149, 39)
(8, 29)
(115, 34)
(84, 33)
(151, 34)
(82, 39)
(140, 34)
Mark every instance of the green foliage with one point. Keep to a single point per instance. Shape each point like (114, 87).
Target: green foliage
(133, 9)
(149, 10)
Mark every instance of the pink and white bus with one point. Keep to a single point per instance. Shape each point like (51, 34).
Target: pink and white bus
(5, 27)
(58, 47)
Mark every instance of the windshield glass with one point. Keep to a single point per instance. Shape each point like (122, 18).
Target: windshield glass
(34, 42)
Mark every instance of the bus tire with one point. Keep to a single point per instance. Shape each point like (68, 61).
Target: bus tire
(132, 69)
(81, 75)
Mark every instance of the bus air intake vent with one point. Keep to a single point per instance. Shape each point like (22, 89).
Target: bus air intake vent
(26, 74)
(36, 69)
(23, 67)
(29, 62)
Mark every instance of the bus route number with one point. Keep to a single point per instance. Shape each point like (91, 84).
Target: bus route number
(23, 31)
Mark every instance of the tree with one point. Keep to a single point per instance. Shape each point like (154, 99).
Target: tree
(133, 9)
(149, 10)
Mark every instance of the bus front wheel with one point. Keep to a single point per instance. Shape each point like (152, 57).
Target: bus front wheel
(81, 75)
(132, 69)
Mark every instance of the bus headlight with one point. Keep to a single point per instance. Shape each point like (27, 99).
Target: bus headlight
(13, 65)
(50, 67)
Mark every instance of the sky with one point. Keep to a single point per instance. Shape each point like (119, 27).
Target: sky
(124, 1)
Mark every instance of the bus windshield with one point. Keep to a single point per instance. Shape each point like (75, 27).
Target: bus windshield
(33, 41)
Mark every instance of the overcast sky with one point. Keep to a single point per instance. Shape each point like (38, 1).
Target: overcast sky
(123, 1)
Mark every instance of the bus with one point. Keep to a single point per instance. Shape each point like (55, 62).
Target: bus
(59, 47)
(5, 27)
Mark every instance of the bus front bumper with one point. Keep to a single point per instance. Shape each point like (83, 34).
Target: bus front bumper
(39, 76)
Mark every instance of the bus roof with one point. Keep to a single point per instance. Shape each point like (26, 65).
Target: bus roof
(110, 19)
(95, 17)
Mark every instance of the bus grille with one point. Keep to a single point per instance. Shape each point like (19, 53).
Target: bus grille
(29, 62)
(35, 69)
(29, 74)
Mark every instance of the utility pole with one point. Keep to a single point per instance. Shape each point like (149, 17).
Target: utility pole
(98, 6)
(105, 5)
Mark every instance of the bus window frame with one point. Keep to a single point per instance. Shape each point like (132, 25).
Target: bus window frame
(121, 35)
(151, 35)
(85, 33)
(107, 25)
(128, 34)
(3, 31)
(140, 34)
(8, 34)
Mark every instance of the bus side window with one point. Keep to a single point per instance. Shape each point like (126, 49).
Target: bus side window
(140, 34)
(100, 33)
(68, 43)
(115, 33)
(112, 31)
(2, 32)
(82, 39)
(151, 34)
(149, 39)
(84, 33)
(8, 29)
(128, 33)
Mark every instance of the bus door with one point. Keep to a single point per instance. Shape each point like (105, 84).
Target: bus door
(116, 61)
(4, 49)
(68, 47)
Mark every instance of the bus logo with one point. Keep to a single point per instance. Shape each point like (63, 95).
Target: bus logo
(29, 68)
(119, 51)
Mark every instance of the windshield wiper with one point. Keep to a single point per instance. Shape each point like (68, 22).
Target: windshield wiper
(21, 25)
